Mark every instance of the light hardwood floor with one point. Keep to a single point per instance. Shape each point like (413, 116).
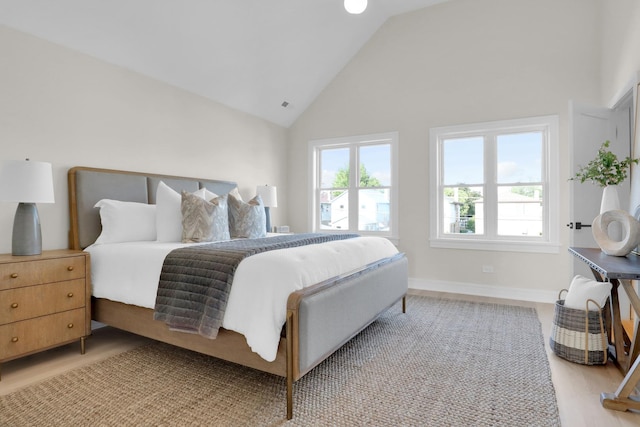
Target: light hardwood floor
(577, 387)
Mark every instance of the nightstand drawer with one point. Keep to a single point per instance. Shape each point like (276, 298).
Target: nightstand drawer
(40, 333)
(35, 301)
(16, 274)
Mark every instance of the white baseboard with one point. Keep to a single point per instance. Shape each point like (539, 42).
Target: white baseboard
(520, 294)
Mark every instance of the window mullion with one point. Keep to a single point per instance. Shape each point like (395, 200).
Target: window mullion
(354, 178)
(317, 187)
(546, 179)
(437, 176)
(490, 186)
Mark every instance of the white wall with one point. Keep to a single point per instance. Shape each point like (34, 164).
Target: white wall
(459, 62)
(621, 66)
(63, 107)
(620, 47)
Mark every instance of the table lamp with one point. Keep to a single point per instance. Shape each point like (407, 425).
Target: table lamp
(269, 196)
(27, 183)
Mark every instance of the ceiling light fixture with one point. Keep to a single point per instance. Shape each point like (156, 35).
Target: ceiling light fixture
(355, 6)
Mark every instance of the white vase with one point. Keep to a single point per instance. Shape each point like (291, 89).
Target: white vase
(610, 200)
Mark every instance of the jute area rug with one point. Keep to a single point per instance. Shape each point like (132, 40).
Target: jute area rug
(443, 363)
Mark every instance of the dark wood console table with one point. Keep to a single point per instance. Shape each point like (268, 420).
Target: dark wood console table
(619, 271)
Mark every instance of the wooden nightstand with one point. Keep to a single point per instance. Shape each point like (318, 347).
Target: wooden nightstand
(45, 302)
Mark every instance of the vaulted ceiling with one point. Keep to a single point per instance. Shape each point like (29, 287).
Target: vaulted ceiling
(251, 55)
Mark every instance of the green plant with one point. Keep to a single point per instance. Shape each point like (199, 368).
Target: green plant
(605, 169)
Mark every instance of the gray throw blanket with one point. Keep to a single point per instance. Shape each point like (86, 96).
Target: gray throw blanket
(195, 281)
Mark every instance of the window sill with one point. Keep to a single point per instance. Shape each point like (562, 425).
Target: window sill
(496, 245)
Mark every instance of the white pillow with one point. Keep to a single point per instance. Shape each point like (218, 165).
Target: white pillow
(169, 211)
(168, 215)
(582, 289)
(235, 193)
(205, 194)
(126, 221)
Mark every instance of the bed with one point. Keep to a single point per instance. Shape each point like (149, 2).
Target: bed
(318, 318)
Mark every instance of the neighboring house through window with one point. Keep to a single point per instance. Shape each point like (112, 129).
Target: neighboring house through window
(495, 185)
(354, 184)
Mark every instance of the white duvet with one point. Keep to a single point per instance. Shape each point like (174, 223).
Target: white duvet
(257, 305)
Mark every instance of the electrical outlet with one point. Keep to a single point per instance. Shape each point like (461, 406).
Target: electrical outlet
(487, 268)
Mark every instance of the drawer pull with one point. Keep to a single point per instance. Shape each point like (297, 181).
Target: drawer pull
(70, 325)
(70, 294)
(14, 275)
(14, 339)
(14, 305)
(70, 268)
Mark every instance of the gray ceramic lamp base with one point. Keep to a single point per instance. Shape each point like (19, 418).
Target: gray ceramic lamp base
(268, 218)
(27, 237)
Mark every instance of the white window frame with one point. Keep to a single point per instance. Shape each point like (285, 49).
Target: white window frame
(353, 142)
(549, 241)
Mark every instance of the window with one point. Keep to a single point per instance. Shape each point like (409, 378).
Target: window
(354, 184)
(494, 185)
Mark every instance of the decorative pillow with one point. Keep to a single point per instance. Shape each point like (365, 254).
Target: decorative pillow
(582, 289)
(169, 215)
(169, 211)
(247, 219)
(202, 220)
(126, 221)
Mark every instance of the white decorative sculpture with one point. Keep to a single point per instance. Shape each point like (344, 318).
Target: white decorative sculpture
(630, 232)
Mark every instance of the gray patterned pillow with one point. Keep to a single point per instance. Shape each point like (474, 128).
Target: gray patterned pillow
(247, 219)
(204, 221)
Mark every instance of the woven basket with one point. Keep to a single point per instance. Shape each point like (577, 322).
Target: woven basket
(579, 335)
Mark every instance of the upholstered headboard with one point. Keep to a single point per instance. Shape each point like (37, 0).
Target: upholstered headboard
(87, 186)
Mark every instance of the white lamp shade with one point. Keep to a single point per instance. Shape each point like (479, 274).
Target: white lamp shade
(355, 6)
(269, 195)
(26, 181)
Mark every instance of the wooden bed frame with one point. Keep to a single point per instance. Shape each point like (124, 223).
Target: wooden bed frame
(320, 318)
